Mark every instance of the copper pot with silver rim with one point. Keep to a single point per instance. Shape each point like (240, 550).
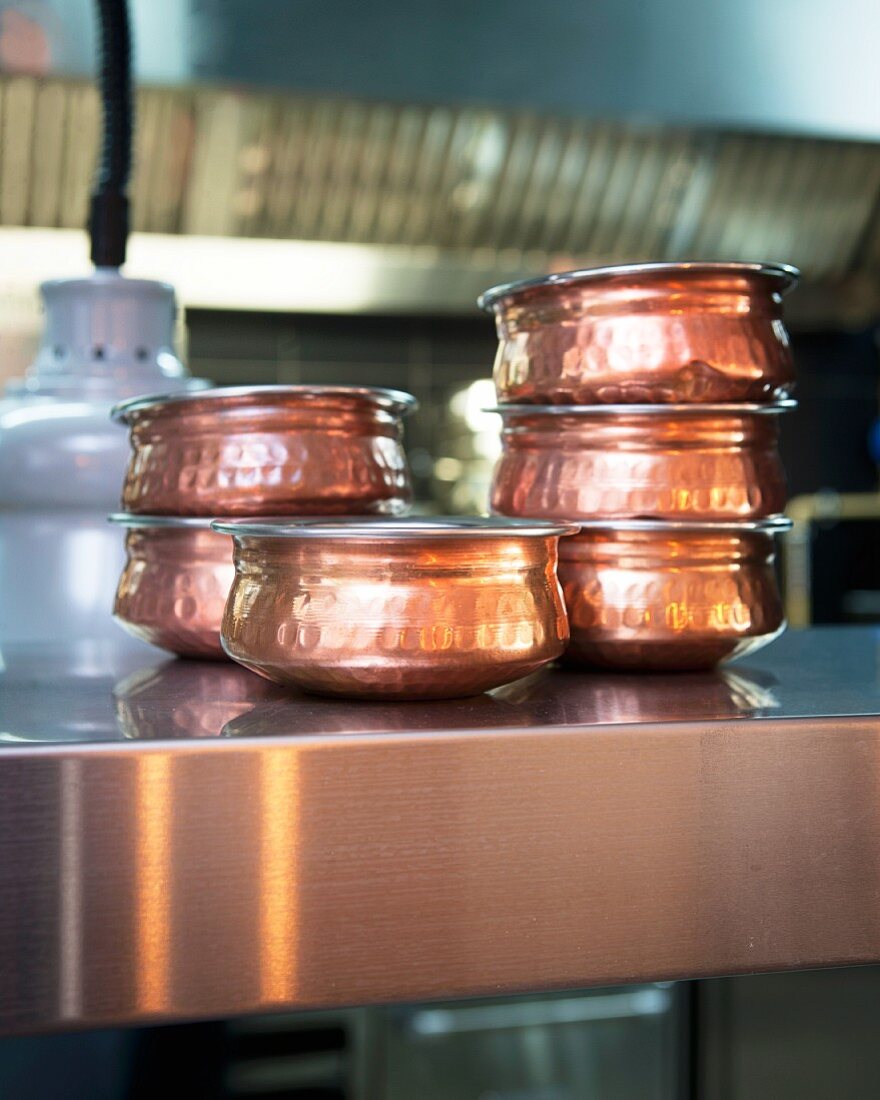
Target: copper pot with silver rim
(650, 333)
(699, 462)
(268, 450)
(396, 609)
(656, 595)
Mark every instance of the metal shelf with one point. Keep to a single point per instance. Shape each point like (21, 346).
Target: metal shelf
(180, 841)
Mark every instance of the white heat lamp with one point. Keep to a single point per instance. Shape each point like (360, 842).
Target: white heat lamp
(62, 459)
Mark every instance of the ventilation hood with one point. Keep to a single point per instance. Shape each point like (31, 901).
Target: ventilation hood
(464, 145)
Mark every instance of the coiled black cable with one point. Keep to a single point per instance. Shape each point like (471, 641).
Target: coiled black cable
(108, 214)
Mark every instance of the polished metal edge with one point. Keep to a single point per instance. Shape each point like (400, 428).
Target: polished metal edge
(414, 527)
(393, 400)
(786, 273)
(772, 525)
(771, 408)
(132, 519)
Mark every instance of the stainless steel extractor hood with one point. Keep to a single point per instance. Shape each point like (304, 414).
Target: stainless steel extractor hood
(461, 146)
(790, 66)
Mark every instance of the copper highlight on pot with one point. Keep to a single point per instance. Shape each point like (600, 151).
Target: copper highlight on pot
(651, 333)
(710, 462)
(174, 585)
(419, 609)
(268, 450)
(658, 596)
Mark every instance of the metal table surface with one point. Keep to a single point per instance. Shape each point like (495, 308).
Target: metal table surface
(182, 840)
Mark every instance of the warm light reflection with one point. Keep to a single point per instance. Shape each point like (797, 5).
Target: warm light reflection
(279, 790)
(70, 907)
(153, 883)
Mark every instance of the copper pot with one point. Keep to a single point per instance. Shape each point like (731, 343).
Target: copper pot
(653, 595)
(706, 462)
(186, 699)
(419, 609)
(174, 584)
(645, 334)
(252, 450)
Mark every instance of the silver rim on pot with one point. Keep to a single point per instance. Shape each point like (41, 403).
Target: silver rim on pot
(787, 275)
(394, 401)
(413, 527)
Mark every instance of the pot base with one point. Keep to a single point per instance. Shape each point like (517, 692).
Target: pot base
(397, 685)
(201, 646)
(693, 655)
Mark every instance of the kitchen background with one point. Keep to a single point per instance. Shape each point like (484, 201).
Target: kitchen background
(329, 185)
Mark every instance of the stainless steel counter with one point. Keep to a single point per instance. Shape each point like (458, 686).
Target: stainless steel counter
(182, 840)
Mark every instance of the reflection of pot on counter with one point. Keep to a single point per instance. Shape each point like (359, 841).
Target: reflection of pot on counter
(187, 699)
(310, 714)
(581, 698)
(549, 697)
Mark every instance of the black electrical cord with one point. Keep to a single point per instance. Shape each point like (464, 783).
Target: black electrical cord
(108, 214)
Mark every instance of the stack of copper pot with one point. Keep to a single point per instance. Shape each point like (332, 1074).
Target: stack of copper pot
(264, 523)
(241, 452)
(642, 402)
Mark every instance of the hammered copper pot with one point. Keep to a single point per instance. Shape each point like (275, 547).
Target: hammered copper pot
(419, 609)
(268, 450)
(662, 596)
(706, 462)
(645, 334)
(174, 585)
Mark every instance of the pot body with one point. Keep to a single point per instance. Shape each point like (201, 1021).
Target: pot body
(656, 599)
(270, 450)
(173, 587)
(412, 618)
(647, 334)
(657, 461)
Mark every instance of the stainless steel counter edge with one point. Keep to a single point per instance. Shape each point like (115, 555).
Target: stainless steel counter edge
(32, 750)
(165, 881)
